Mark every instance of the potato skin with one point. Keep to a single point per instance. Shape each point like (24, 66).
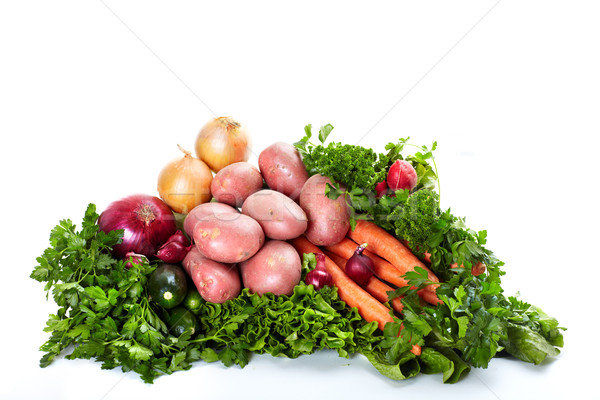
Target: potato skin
(234, 183)
(228, 238)
(328, 220)
(276, 268)
(216, 282)
(278, 215)
(203, 210)
(282, 168)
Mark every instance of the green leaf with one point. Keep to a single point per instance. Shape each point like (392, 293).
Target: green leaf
(301, 144)
(139, 352)
(209, 355)
(434, 362)
(324, 132)
(80, 330)
(527, 345)
(406, 367)
(177, 360)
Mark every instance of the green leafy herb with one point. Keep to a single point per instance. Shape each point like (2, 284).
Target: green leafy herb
(356, 170)
(474, 321)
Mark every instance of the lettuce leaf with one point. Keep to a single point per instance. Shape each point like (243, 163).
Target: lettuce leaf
(528, 345)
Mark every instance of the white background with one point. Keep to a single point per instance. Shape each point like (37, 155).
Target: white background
(95, 96)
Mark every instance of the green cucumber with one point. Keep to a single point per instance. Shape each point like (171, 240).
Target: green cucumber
(167, 285)
(181, 319)
(193, 300)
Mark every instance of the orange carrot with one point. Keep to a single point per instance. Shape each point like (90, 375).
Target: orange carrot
(368, 307)
(388, 247)
(476, 269)
(375, 287)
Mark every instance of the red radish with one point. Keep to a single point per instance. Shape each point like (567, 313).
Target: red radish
(402, 176)
(381, 188)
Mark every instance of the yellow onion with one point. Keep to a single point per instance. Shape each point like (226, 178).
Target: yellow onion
(184, 183)
(223, 141)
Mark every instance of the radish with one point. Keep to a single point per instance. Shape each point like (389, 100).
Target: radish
(381, 188)
(401, 175)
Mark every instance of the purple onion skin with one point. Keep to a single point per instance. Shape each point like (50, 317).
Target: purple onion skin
(133, 258)
(320, 257)
(179, 237)
(360, 267)
(318, 278)
(147, 223)
(175, 249)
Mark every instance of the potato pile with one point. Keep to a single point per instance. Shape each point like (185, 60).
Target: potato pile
(240, 239)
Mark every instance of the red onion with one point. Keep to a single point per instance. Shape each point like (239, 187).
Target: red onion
(134, 258)
(360, 267)
(175, 248)
(146, 220)
(318, 278)
(320, 261)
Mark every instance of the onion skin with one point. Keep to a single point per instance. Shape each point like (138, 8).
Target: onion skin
(221, 142)
(360, 267)
(318, 278)
(185, 183)
(175, 249)
(147, 223)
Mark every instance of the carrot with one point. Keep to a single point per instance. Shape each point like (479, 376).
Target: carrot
(476, 269)
(375, 287)
(391, 249)
(368, 307)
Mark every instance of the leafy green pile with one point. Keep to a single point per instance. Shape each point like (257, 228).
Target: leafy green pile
(475, 321)
(105, 314)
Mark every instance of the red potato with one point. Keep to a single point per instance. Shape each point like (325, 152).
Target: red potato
(279, 216)
(234, 183)
(216, 282)
(276, 268)
(228, 238)
(282, 168)
(202, 211)
(328, 220)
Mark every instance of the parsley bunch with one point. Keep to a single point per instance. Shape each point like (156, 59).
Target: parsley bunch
(104, 310)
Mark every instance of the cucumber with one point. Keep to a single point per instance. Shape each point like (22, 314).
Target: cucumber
(193, 300)
(181, 319)
(167, 285)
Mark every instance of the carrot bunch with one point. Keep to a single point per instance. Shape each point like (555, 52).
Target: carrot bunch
(391, 260)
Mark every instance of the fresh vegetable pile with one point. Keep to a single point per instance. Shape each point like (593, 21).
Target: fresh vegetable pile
(321, 247)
